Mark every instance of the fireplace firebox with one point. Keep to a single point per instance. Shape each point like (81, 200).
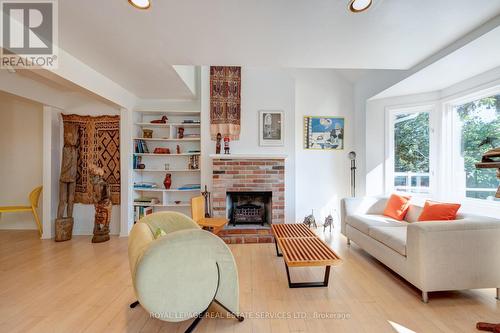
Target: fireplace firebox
(249, 207)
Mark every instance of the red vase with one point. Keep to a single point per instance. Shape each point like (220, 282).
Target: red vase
(168, 181)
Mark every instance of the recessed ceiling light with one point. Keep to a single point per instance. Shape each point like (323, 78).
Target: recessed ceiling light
(358, 6)
(140, 4)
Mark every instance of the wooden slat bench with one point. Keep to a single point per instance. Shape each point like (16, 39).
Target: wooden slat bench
(302, 248)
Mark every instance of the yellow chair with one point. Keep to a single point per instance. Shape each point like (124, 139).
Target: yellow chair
(33, 197)
(214, 224)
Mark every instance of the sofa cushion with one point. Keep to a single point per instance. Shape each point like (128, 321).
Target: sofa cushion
(395, 238)
(364, 222)
(413, 213)
(397, 206)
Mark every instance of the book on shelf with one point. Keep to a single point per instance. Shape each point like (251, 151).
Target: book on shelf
(136, 160)
(190, 121)
(190, 187)
(145, 185)
(141, 147)
(147, 200)
(141, 211)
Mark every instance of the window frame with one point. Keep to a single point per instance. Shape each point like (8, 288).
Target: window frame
(454, 146)
(390, 115)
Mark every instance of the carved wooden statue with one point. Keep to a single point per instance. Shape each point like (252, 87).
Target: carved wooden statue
(102, 204)
(67, 184)
(218, 143)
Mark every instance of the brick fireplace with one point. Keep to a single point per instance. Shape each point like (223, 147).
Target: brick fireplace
(247, 174)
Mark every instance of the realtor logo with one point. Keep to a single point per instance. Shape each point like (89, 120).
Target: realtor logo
(29, 32)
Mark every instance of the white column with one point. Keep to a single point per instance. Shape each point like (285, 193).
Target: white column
(126, 208)
(51, 167)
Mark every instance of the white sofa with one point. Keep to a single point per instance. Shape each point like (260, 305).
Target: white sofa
(433, 256)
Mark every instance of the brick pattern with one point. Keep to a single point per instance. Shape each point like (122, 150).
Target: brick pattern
(243, 175)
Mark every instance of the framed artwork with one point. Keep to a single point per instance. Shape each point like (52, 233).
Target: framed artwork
(323, 133)
(271, 131)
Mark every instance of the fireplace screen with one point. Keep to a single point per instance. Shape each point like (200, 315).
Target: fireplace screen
(249, 207)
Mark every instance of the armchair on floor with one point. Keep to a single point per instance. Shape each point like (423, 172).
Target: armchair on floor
(34, 196)
(177, 276)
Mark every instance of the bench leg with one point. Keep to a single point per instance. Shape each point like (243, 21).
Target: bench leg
(278, 254)
(324, 283)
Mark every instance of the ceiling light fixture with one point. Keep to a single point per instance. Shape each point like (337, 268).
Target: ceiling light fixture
(140, 4)
(358, 6)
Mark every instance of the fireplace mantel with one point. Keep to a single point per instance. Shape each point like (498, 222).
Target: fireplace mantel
(248, 156)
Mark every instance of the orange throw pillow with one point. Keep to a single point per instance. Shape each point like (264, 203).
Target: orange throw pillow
(438, 211)
(397, 207)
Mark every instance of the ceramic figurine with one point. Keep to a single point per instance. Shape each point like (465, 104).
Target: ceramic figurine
(168, 181)
(147, 133)
(178, 149)
(160, 150)
(218, 144)
(226, 145)
(163, 120)
(180, 133)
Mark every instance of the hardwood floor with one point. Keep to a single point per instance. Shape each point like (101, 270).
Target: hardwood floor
(78, 286)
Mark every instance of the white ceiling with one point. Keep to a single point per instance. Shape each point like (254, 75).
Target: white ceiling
(479, 56)
(137, 48)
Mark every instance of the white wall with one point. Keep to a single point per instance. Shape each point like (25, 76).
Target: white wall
(322, 177)
(314, 179)
(21, 158)
(262, 88)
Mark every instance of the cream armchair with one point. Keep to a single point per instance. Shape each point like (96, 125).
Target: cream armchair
(176, 277)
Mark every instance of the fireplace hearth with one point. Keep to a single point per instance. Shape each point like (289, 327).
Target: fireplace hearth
(249, 207)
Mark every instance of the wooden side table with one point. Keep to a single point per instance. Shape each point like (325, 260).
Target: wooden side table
(213, 224)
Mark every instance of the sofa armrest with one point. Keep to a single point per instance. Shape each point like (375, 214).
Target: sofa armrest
(364, 205)
(454, 255)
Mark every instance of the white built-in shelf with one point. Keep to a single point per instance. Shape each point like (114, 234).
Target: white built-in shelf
(173, 170)
(166, 135)
(170, 204)
(169, 112)
(164, 190)
(168, 139)
(166, 155)
(168, 125)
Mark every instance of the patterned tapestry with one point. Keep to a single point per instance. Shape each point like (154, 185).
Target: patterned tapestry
(99, 144)
(225, 99)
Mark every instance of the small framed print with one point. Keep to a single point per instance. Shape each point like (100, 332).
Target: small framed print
(271, 128)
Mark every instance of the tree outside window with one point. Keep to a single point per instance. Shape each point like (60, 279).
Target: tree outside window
(479, 128)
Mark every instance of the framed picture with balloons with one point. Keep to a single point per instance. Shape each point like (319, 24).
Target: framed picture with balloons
(324, 133)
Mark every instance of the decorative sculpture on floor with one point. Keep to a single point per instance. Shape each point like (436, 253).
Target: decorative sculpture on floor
(309, 220)
(328, 223)
(102, 204)
(67, 184)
